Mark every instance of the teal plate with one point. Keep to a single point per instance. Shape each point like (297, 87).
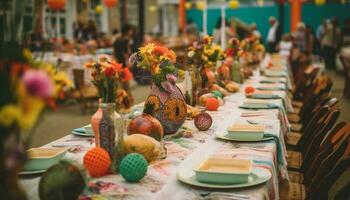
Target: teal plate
(258, 176)
(32, 172)
(224, 136)
(263, 106)
(82, 134)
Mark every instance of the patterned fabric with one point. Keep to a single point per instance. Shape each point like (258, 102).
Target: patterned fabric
(160, 181)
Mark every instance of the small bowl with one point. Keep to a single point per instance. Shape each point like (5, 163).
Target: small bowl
(88, 130)
(43, 158)
(224, 171)
(246, 132)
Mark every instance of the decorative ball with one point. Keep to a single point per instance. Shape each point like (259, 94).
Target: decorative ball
(147, 125)
(61, 181)
(97, 161)
(99, 9)
(110, 3)
(56, 4)
(217, 94)
(203, 121)
(249, 90)
(212, 104)
(133, 167)
(320, 2)
(233, 4)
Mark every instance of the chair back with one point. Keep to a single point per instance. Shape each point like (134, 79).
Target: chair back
(312, 106)
(79, 79)
(317, 138)
(345, 63)
(334, 136)
(324, 162)
(320, 190)
(314, 125)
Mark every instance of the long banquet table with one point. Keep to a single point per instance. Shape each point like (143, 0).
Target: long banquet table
(187, 152)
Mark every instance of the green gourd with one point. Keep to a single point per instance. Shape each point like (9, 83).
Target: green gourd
(62, 181)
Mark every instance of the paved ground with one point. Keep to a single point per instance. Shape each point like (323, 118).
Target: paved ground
(57, 124)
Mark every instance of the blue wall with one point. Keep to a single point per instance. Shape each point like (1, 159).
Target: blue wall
(311, 14)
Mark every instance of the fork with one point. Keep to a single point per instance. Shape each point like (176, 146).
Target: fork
(223, 195)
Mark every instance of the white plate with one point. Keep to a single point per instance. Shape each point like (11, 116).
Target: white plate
(32, 172)
(258, 176)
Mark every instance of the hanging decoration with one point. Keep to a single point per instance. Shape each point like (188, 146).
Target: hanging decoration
(260, 3)
(152, 8)
(200, 5)
(320, 2)
(99, 9)
(343, 2)
(110, 3)
(188, 5)
(233, 4)
(56, 4)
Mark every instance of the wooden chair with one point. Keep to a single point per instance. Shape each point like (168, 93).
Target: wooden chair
(87, 96)
(315, 116)
(329, 164)
(318, 89)
(346, 66)
(309, 143)
(331, 140)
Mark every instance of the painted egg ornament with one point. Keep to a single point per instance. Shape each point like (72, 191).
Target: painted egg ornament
(212, 104)
(97, 161)
(217, 93)
(203, 121)
(61, 181)
(133, 167)
(169, 108)
(249, 90)
(147, 125)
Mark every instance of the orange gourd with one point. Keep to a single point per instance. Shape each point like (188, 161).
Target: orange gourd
(212, 104)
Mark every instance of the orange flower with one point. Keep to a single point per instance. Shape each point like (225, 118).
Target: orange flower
(160, 50)
(89, 65)
(109, 72)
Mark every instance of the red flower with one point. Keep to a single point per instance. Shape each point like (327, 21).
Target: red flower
(110, 72)
(229, 52)
(117, 66)
(159, 50)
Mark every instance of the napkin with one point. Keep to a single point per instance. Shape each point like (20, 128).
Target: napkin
(79, 130)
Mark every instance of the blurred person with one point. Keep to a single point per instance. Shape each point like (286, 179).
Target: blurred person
(115, 34)
(345, 33)
(78, 31)
(331, 43)
(191, 29)
(285, 45)
(309, 40)
(319, 36)
(122, 52)
(91, 32)
(300, 37)
(255, 31)
(217, 32)
(274, 34)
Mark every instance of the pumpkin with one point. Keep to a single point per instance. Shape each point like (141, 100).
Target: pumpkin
(147, 125)
(143, 144)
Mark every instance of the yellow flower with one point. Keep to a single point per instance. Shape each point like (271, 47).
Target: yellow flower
(147, 49)
(31, 108)
(181, 73)
(9, 115)
(27, 54)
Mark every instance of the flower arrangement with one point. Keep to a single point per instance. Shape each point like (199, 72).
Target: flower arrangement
(204, 53)
(234, 49)
(105, 76)
(27, 87)
(160, 61)
(252, 44)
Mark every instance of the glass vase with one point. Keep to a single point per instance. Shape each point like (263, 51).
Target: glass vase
(107, 128)
(237, 74)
